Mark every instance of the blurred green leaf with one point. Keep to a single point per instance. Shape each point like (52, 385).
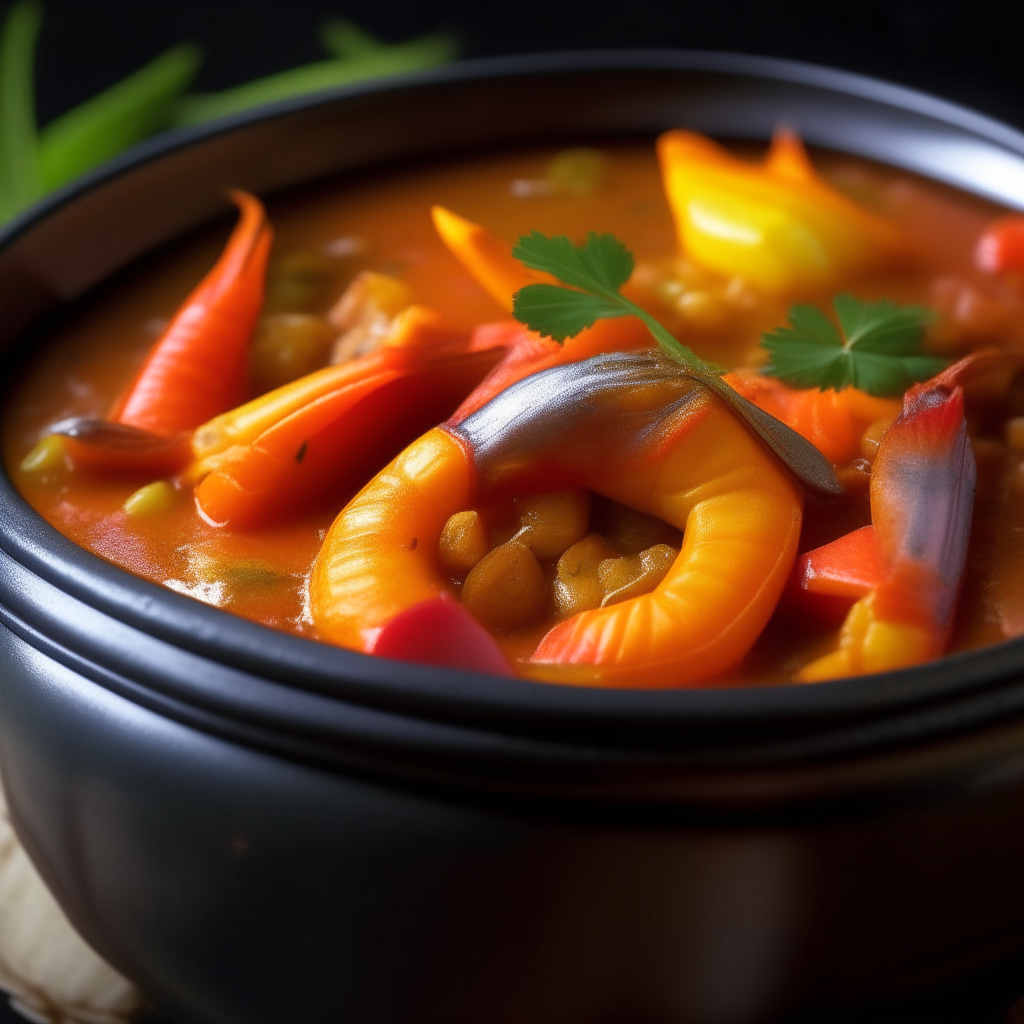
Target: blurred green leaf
(343, 38)
(133, 109)
(377, 62)
(20, 180)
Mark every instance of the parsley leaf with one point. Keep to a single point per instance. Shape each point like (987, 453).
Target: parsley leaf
(594, 272)
(877, 351)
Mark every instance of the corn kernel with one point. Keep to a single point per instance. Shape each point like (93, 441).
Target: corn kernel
(578, 172)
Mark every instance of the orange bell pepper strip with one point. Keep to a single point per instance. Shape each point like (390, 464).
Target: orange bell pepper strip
(197, 367)
(922, 494)
(851, 566)
(248, 463)
(640, 433)
(833, 421)
(778, 225)
(488, 259)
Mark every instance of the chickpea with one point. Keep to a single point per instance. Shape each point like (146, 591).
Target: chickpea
(463, 542)
(633, 575)
(551, 523)
(631, 532)
(506, 589)
(364, 313)
(577, 586)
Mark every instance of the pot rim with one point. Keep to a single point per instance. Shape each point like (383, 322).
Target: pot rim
(959, 690)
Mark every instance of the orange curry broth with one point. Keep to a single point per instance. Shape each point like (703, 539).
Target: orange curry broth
(382, 222)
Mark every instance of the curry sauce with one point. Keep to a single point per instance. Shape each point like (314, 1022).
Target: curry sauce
(351, 257)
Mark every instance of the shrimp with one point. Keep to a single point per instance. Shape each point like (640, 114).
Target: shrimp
(627, 425)
(196, 369)
(912, 556)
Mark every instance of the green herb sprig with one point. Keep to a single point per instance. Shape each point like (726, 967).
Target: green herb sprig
(876, 348)
(591, 277)
(153, 98)
(358, 56)
(20, 181)
(111, 121)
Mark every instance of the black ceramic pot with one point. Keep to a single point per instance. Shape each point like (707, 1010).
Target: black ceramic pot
(257, 828)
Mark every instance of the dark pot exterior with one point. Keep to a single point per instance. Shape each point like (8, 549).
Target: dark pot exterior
(257, 828)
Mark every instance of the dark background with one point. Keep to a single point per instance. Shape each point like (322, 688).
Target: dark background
(970, 52)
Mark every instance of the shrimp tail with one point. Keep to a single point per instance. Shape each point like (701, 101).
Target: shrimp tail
(922, 496)
(197, 367)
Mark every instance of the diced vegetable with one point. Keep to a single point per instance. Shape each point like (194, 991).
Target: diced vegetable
(287, 346)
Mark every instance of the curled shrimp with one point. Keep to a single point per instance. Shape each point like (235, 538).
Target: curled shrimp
(195, 370)
(627, 425)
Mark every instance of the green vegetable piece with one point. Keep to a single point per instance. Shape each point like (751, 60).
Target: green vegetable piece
(595, 271)
(578, 172)
(414, 55)
(133, 109)
(20, 180)
(878, 351)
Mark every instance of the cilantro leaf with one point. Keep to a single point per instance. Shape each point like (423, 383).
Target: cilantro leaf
(560, 313)
(601, 264)
(594, 273)
(877, 350)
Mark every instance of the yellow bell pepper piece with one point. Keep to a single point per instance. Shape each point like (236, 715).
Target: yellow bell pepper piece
(777, 224)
